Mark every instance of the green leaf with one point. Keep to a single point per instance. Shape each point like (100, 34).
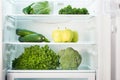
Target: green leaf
(41, 8)
(28, 9)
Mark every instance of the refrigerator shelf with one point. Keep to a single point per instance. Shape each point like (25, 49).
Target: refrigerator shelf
(51, 71)
(90, 75)
(23, 1)
(85, 71)
(51, 43)
(56, 17)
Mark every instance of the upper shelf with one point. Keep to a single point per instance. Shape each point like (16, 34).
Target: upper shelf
(28, 1)
(16, 7)
(52, 18)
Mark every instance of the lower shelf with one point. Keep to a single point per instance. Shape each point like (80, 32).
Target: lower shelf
(51, 79)
(17, 74)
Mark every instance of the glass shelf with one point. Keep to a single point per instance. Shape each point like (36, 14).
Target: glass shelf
(31, 74)
(51, 71)
(52, 18)
(51, 43)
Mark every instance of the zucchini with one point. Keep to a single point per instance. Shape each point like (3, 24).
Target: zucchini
(33, 38)
(24, 32)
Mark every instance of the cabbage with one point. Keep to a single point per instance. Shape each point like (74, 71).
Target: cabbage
(38, 8)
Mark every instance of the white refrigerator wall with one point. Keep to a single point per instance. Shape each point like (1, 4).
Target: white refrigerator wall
(117, 59)
(1, 69)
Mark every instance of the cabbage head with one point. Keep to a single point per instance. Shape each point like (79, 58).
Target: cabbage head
(42, 7)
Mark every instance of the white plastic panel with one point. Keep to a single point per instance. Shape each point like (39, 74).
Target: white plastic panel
(80, 76)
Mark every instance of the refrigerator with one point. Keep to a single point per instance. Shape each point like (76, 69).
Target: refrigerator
(96, 44)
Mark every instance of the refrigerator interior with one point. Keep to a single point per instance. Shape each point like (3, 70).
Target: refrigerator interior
(85, 25)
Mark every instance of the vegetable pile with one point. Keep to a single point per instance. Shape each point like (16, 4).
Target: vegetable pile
(69, 10)
(44, 58)
(36, 57)
(70, 59)
(38, 8)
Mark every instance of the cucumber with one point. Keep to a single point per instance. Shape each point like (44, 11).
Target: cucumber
(33, 38)
(24, 32)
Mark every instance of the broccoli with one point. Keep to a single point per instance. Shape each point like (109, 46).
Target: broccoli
(84, 11)
(36, 58)
(74, 10)
(70, 59)
(66, 10)
(69, 10)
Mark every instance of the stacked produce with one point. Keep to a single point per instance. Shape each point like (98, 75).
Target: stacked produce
(42, 7)
(30, 36)
(36, 58)
(66, 35)
(70, 59)
(44, 58)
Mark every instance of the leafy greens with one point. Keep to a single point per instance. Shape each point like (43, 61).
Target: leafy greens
(38, 8)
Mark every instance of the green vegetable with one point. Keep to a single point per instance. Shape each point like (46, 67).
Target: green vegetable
(33, 38)
(28, 9)
(42, 7)
(69, 10)
(65, 10)
(36, 58)
(30, 36)
(84, 11)
(70, 59)
(24, 32)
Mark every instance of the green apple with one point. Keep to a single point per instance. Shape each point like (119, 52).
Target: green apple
(67, 35)
(75, 36)
(57, 35)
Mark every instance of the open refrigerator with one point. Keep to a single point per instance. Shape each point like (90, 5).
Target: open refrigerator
(94, 44)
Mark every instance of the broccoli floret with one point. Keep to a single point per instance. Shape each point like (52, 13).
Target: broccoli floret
(66, 10)
(75, 11)
(84, 11)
